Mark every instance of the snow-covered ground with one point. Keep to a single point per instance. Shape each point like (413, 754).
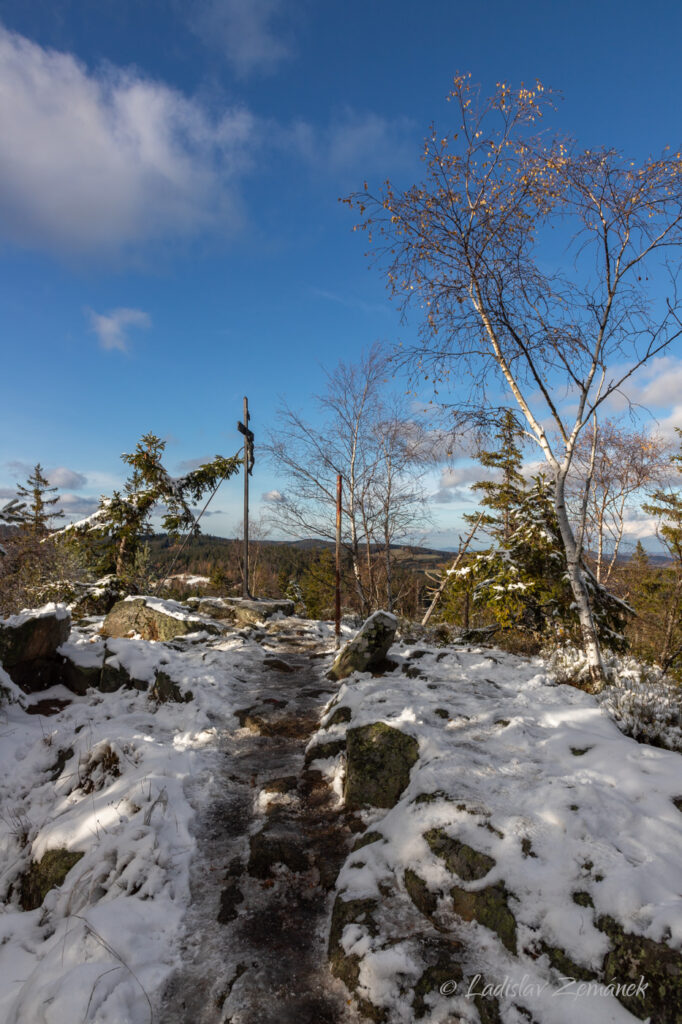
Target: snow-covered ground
(532, 774)
(105, 777)
(578, 819)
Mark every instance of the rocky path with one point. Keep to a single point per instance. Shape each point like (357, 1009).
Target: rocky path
(270, 842)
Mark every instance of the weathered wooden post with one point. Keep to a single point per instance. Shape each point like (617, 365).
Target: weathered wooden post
(243, 428)
(337, 595)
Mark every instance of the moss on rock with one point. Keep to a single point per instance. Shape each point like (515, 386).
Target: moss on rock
(469, 864)
(442, 970)
(345, 966)
(424, 900)
(632, 958)
(562, 962)
(379, 762)
(165, 690)
(490, 908)
(341, 715)
(136, 616)
(366, 839)
(47, 873)
(324, 750)
(368, 648)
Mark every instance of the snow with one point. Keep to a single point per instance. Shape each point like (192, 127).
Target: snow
(189, 579)
(166, 607)
(101, 945)
(534, 773)
(58, 611)
(520, 760)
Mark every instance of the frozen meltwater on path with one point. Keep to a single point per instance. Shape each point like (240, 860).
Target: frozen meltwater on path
(255, 945)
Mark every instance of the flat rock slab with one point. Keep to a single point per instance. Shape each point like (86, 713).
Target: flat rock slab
(151, 619)
(250, 611)
(368, 648)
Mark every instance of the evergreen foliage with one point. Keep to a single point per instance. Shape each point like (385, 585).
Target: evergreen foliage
(39, 501)
(502, 496)
(667, 507)
(523, 581)
(37, 568)
(125, 517)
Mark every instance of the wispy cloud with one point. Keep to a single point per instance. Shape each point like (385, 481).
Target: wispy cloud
(60, 476)
(112, 328)
(18, 469)
(272, 497)
(354, 142)
(254, 35)
(102, 160)
(351, 301)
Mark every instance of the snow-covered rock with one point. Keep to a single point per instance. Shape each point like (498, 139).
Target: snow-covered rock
(28, 644)
(368, 648)
(151, 619)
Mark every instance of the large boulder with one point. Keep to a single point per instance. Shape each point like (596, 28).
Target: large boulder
(152, 619)
(28, 645)
(33, 634)
(368, 648)
(379, 759)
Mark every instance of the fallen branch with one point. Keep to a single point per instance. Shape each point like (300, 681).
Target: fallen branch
(446, 575)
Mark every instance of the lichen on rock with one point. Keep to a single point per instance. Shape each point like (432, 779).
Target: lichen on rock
(47, 873)
(379, 759)
(490, 908)
(368, 648)
(633, 957)
(469, 864)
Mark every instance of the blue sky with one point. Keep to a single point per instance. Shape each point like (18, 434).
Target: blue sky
(170, 232)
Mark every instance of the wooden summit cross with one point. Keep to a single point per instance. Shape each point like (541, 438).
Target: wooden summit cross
(249, 460)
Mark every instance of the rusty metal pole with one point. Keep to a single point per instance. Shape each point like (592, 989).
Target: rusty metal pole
(245, 585)
(337, 628)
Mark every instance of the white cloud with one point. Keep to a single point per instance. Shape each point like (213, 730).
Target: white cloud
(109, 159)
(272, 497)
(659, 385)
(75, 506)
(112, 328)
(60, 476)
(640, 527)
(248, 32)
(670, 424)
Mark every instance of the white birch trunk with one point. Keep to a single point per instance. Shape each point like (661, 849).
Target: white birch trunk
(579, 588)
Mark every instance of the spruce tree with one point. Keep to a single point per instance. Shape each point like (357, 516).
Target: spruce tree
(667, 507)
(39, 499)
(503, 495)
(524, 582)
(125, 517)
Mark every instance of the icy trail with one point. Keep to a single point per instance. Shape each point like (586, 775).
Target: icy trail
(270, 841)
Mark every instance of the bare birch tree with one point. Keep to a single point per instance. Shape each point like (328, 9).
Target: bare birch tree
(474, 244)
(618, 464)
(365, 440)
